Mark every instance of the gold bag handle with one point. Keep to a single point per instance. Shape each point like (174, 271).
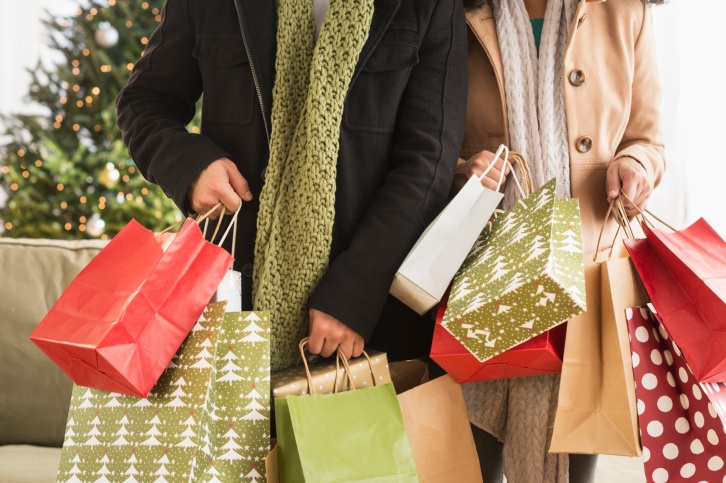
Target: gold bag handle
(340, 357)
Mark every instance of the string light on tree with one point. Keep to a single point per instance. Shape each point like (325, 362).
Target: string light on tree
(106, 35)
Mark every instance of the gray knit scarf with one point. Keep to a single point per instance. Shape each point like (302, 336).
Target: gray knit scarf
(535, 90)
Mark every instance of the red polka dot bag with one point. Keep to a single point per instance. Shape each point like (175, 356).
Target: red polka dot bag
(681, 420)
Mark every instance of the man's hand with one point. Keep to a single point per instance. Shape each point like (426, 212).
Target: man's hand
(479, 163)
(327, 333)
(220, 181)
(630, 175)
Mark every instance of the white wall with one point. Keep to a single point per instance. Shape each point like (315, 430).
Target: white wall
(23, 41)
(692, 60)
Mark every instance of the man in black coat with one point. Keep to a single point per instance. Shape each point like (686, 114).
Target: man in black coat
(399, 140)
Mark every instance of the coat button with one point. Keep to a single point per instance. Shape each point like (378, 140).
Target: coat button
(263, 174)
(584, 144)
(247, 270)
(577, 77)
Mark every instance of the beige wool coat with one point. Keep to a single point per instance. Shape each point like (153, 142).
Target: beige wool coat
(612, 102)
(612, 99)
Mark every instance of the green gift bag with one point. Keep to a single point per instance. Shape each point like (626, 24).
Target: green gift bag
(206, 420)
(524, 276)
(358, 435)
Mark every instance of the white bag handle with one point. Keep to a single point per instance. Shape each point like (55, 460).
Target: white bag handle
(497, 155)
(226, 232)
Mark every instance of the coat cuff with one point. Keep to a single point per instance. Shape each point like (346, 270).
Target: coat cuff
(198, 152)
(351, 300)
(640, 154)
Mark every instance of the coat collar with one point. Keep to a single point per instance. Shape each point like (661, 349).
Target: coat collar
(262, 35)
(482, 24)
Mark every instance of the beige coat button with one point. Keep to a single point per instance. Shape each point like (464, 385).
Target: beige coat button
(577, 77)
(584, 144)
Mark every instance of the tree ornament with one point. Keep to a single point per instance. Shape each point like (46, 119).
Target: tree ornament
(109, 176)
(106, 35)
(95, 225)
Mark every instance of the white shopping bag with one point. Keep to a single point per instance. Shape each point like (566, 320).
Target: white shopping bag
(230, 291)
(429, 268)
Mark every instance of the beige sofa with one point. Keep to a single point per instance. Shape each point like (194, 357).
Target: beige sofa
(34, 394)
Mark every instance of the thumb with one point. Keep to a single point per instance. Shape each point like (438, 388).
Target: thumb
(613, 181)
(238, 182)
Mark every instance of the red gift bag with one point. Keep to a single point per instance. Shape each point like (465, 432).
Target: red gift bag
(539, 356)
(685, 275)
(120, 321)
(681, 421)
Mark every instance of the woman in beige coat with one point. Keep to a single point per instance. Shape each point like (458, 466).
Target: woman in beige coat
(573, 85)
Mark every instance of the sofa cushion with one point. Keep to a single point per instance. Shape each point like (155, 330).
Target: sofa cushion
(35, 394)
(29, 464)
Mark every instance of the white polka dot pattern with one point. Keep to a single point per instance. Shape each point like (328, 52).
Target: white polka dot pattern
(682, 421)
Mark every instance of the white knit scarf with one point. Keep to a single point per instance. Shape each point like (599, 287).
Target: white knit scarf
(535, 90)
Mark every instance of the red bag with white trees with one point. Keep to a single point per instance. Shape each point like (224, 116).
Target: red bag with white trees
(681, 420)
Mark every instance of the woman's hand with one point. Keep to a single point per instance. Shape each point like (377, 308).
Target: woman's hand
(476, 165)
(630, 176)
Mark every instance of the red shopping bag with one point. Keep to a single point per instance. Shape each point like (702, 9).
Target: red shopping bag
(120, 321)
(681, 421)
(539, 356)
(685, 275)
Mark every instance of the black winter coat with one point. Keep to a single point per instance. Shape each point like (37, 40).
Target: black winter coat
(399, 140)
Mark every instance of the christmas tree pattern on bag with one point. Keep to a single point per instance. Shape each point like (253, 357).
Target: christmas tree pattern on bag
(175, 434)
(523, 276)
(236, 435)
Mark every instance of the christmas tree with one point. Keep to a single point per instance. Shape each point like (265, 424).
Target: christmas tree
(67, 173)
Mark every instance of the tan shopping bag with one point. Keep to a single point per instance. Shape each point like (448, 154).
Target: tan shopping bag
(406, 375)
(272, 474)
(439, 431)
(596, 413)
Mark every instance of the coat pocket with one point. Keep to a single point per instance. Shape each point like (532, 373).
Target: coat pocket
(229, 90)
(373, 99)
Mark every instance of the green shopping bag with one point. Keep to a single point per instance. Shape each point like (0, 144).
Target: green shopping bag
(206, 420)
(524, 276)
(358, 435)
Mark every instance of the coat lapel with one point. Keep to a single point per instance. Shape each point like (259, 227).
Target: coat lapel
(259, 18)
(482, 25)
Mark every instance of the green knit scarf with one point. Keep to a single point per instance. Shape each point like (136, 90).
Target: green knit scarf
(297, 204)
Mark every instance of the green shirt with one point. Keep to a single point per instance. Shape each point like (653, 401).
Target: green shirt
(537, 24)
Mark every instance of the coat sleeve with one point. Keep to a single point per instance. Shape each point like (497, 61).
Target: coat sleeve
(643, 138)
(427, 138)
(157, 104)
